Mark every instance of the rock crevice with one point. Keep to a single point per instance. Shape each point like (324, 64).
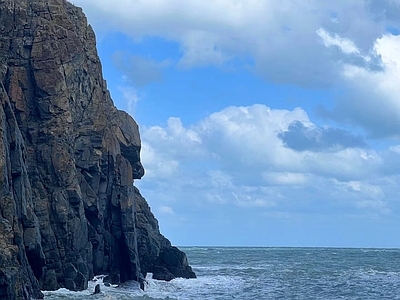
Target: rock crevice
(68, 159)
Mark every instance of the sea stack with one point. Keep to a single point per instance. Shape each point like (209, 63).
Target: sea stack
(68, 159)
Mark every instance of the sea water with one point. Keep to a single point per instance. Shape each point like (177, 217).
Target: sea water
(269, 273)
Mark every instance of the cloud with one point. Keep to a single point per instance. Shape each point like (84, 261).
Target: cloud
(367, 196)
(130, 97)
(345, 45)
(312, 138)
(236, 158)
(175, 139)
(285, 178)
(199, 48)
(281, 38)
(166, 210)
(178, 144)
(248, 135)
(232, 170)
(372, 98)
(157, 164)
(388, 10)
(138, 69)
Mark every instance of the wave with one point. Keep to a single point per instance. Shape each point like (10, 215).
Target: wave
(179, 288)
(129, 290)
(302, 274)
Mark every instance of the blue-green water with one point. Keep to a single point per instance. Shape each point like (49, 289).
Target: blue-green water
(272, 273)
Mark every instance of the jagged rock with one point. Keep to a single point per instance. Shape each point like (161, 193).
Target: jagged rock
(162, 273)
(156, 254)
(68, 159)
(172, 263)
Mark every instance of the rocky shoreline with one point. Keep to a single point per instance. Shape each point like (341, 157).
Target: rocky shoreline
(68, 160)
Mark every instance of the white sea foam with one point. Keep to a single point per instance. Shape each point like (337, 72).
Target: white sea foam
(271, 273)
(128, 290)
(179, 288)
(185, 289)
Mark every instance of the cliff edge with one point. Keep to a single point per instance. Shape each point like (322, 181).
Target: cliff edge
(68, 159)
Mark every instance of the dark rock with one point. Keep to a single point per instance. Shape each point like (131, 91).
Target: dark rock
(142, 282)
(68, 159)
(175, 262)
(162, 273)
(50, 280)
(156, 254)
(96, 289)
(112, 279)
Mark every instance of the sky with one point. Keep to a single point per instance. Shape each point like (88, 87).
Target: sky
(263, 122)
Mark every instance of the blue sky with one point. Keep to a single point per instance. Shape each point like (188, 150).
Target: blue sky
(263, 122)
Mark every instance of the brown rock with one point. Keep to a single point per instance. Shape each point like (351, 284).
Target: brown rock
(68, 159)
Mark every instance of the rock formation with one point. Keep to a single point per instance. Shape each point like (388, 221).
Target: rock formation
(68, 158)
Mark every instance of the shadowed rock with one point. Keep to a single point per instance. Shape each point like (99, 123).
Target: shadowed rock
(97, 289)
(68, 159)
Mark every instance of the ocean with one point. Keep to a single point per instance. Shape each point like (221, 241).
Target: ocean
(269, 273)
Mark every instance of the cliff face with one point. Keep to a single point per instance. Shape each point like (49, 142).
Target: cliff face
(68, 158)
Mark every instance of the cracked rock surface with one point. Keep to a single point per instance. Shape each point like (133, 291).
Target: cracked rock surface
(68, 159)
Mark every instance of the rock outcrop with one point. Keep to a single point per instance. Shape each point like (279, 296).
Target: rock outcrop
(68, 159)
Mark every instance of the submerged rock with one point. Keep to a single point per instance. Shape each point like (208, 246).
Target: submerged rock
(97, 289)
(68, 159)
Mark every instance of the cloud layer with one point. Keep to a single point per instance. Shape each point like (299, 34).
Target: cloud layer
(315, 44)
(301, 138)
(373, 100)
(240, 157)
(275, 34)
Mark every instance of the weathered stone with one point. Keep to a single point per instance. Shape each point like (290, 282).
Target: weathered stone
(156, 254)
(176, 262)
(50, 280)
(162, 273)
(68, 159)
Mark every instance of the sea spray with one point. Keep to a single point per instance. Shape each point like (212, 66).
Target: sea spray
(268, 273)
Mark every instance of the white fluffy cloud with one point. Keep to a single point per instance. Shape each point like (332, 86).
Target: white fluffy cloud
(373, 99)
(164, 149)
(236, 157)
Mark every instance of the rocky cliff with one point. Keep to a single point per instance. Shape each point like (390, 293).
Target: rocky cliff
(68, 159)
